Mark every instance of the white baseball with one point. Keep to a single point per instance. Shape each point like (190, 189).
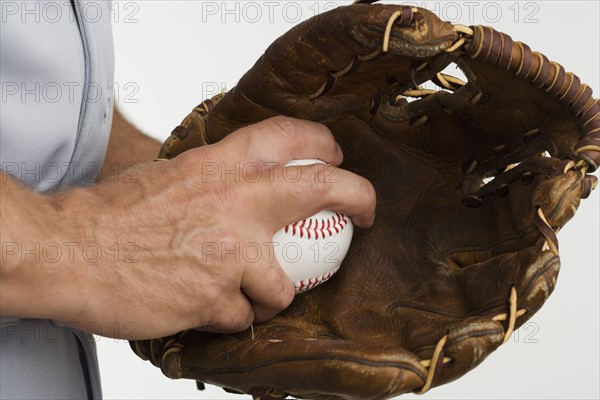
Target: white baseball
(311, 251)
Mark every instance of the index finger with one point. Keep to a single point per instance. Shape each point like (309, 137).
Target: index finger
(278, 140)
(296, 192)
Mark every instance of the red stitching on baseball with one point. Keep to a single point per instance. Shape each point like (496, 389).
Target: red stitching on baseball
(315, 281)
(336, 223)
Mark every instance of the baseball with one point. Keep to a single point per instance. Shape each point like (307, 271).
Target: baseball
(311, 251)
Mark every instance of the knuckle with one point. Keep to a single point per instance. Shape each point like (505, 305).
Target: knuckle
(321, 178)
(284, 128)
(369, 193)
(241, 138)
(210, 298)
(281, 299)
(211, 294)
(273, 132)
(285, 297)
(237, 318)
(240, 143)
(227, 312)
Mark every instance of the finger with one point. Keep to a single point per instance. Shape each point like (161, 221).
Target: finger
(267, 285)
(278, 140)
(293, 193)
(232, 313)
(265, 313)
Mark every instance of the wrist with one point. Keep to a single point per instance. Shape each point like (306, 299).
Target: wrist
(85, 219)
(37, 279)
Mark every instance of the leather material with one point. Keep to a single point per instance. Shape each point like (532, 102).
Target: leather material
(463, 250)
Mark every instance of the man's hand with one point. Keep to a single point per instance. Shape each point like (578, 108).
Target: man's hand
(185, 243)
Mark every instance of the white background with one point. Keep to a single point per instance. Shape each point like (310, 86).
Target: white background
(174, 53)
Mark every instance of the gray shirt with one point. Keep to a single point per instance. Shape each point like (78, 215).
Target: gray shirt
(56, 74)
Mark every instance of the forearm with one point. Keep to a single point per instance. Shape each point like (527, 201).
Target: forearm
(35, 280)
(127, 146)
(44, 268)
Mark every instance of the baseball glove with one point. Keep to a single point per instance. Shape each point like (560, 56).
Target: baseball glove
(473, 180)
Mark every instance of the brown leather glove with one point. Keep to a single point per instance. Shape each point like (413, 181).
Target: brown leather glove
(473, 181)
